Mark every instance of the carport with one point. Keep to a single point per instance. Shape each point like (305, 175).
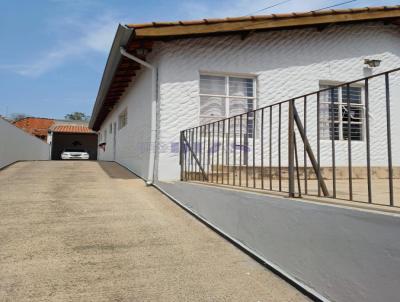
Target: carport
(72, 137)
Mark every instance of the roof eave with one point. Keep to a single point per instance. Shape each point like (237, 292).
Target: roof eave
(121, 39)
(229, 25)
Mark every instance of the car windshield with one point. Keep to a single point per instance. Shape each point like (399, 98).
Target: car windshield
(74, 150)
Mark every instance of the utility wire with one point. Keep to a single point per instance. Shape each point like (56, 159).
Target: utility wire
(286, 1)
(268, 7)
(338, 4)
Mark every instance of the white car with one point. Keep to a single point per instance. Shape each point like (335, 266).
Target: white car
(74, 154)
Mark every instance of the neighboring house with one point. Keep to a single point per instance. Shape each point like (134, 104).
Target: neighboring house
(36, 126)
(72, 135)
(201, 71)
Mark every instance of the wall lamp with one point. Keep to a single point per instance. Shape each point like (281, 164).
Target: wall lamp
(372, 63)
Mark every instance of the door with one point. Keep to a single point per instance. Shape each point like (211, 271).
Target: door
(114, 140)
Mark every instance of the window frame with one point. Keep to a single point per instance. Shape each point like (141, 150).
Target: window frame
(227, 97)
(341, 104)
(123, 113)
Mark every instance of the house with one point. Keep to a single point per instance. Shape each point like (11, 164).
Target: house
(164, 77)
(36, 126)
(72, 135)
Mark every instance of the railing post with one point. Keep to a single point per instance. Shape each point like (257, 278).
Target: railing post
(181, 148)
(291, 149)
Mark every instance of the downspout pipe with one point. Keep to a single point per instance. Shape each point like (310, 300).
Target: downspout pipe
(153, 133)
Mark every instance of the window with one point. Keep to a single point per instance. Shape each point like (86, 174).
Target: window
(123, 119)
(340, 111)
(225, 96)
(110, 128)
(105, 135)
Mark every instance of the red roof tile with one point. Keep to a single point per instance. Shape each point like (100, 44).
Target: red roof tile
(35, 125)
(72, 129)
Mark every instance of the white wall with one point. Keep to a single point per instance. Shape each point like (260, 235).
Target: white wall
(132, 141)
(286, 64)
(15, 145)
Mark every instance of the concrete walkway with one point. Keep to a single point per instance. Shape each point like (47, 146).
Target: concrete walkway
(88, 231)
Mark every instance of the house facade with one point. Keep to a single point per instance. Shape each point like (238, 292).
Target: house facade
(208, 70)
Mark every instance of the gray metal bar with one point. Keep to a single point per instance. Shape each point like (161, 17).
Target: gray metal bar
(192, 167)
(208, 150)
(240, 153)
(222, 151)
(291, 148)
(254, 149)
(389, 139)
(367, 133)
(270, 148)
(333, 144)
(304, 149)
(246, 151)
(349, 153)
(297, 165)
(262, 149)
(218, 128)
(234, 151)
(319, 142)
(310, 153)
(204, 146)
(195, 146)
(228, 149)
(279, 147)
(180, 155)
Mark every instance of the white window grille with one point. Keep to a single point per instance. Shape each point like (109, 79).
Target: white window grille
(340, 110)
(223, 96)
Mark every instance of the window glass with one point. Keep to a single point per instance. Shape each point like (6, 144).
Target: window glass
(212, 85)
(340, 112)
(240, 87)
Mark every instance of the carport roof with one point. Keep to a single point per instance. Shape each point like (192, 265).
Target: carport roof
(71, 129)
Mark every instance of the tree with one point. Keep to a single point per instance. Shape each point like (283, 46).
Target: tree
(77, 116)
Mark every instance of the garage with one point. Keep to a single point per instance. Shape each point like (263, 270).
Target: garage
(72, 137)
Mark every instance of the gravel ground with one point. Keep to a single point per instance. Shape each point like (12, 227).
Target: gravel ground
(92, 231)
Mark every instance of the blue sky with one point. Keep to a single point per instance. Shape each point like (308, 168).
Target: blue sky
(53, 52)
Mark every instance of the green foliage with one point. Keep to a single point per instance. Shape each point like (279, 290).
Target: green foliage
(77, 116)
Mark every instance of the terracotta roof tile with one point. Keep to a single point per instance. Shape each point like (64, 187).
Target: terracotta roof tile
(35, 125)
(266, 17)
(72, 129)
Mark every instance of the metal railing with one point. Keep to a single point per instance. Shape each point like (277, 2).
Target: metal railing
(335, 143)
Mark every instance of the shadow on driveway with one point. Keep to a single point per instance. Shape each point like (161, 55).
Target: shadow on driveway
(114, 170)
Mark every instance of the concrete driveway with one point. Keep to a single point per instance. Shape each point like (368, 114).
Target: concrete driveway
(89, 231)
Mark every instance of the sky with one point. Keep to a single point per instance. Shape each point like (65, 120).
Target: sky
(53, 52)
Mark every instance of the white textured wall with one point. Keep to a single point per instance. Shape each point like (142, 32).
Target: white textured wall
(287, 64)
(132, 141)
(15, 145)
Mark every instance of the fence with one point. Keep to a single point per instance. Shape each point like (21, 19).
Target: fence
(336, 143)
